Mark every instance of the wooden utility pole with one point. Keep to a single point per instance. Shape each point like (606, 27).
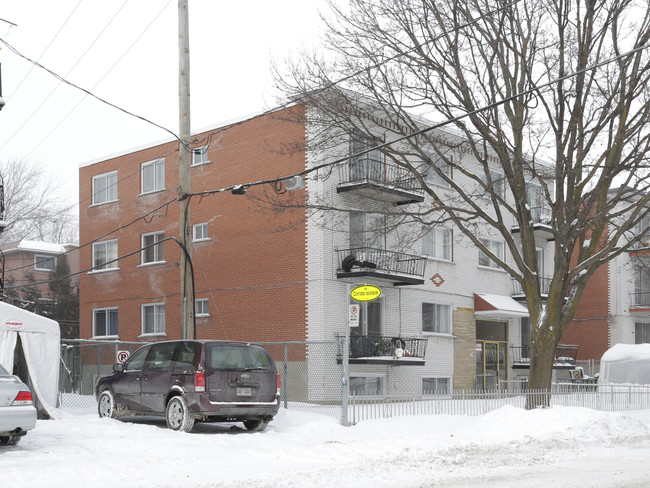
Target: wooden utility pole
(185, 180)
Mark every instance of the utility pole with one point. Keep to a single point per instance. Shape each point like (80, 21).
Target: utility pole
(185, 180)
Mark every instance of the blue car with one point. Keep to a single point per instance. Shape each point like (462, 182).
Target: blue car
(17, 411)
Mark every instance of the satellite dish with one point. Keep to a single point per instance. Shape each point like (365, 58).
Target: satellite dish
(294, 183)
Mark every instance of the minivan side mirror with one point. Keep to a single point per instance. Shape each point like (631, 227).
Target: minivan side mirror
(118, 368)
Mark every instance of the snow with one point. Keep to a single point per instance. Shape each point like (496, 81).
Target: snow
(509, 447)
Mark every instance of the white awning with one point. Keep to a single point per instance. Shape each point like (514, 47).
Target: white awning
(497, 307)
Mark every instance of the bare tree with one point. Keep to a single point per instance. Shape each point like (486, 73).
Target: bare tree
(33, 209)
(551, 93)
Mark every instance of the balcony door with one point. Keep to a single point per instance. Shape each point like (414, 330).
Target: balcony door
(641, 286)
(367, 231)
(365, 166)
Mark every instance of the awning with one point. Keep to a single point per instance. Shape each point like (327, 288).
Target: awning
(497, 307)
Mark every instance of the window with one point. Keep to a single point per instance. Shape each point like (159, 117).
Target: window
(370, 317)
(151, 251)
(436, 243)
(367, 166)
(496, 247)
(201, 307)
(161, 356)
(42, 262)
(200, 232)
(105, 322)
(498, 183)
(105, 188)
(432, 176)
(641, 333)
(136, 361)
(200, 155)
(436, 386)
(366, 385)
(436, 318)
(153, 175)
(366, 230)
(153, 318)
(105, 255)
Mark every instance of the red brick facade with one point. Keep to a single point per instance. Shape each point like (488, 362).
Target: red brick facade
(252, 267)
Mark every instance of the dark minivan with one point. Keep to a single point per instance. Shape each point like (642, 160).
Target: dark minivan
(194, 380)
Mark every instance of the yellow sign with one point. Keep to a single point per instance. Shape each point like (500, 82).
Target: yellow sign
(365, 293)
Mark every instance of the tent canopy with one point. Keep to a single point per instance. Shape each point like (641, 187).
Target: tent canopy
(40, 339)
(626, 363)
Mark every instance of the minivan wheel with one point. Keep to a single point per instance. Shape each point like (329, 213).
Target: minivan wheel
(256, 425)
(11, 440)
(106, 405)
(178, 415)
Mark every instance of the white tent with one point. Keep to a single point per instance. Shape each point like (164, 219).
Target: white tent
(40, 339)
(626, 363)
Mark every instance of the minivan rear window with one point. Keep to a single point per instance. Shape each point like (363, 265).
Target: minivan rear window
(224, 356)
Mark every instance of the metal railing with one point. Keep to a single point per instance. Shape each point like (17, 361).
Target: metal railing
(370, 346)
(367, 169)
(390, 262)
(544, 286)
(640, 298)
(565, 355)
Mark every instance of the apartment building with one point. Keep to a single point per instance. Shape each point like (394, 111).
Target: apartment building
(447, 317)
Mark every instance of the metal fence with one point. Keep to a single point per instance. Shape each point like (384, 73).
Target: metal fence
(309, 371)
(614, 398)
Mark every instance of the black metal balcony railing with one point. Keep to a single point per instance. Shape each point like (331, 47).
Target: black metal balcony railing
(640, 298)
(544, 286)
(366, 169)
(565, 355)
(541, 215)
(383, 347)
(380, 260)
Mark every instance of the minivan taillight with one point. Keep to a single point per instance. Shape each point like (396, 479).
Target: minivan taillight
(278, 383)
(199, 381)
(23, 398)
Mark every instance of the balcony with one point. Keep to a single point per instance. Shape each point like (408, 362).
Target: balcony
(542, 218)
(394, 267)
(396, 351)
(544, 287)
(565, 356)
(381, 181)
(640, 304)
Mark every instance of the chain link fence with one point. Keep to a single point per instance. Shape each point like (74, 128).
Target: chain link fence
(309, 371)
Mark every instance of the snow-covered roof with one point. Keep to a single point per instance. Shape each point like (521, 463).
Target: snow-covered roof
(34, 246)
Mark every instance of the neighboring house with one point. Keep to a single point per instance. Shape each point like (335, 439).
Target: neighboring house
(24, 259)
(286, 275)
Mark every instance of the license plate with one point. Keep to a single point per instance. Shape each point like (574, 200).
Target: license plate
(244, 391)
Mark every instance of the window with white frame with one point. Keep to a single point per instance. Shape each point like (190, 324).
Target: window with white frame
(200, 155)
(105, 255)
(105, 188)
(153, 175)
(153, 250)
(43, 262)
(153, 319)
(105, 322)
(437, 177)
(498, 183)
(436, 318)
(436, 386)
(495, 247)
(200, 232)
(367, 385)
(201, 308)
(436, 243)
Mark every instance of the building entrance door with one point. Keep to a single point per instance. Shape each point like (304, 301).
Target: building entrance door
(491, 364)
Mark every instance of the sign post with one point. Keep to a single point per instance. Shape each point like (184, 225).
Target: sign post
(362, 294)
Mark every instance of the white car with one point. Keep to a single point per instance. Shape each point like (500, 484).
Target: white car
(17, 411)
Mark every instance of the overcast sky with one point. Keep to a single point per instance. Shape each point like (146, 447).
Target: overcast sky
(126, 52)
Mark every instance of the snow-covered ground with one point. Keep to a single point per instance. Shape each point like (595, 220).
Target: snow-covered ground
(509, 447)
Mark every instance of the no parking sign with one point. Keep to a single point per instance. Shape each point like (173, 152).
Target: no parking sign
(122, 356)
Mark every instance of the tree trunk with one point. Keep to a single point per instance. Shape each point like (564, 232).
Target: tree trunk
(542, 357)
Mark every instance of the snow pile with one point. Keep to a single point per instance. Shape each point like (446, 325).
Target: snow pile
(508, 447)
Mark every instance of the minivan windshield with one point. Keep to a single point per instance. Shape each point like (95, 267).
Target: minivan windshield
(229, 356)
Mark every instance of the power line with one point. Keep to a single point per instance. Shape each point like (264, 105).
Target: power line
(60, 78)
